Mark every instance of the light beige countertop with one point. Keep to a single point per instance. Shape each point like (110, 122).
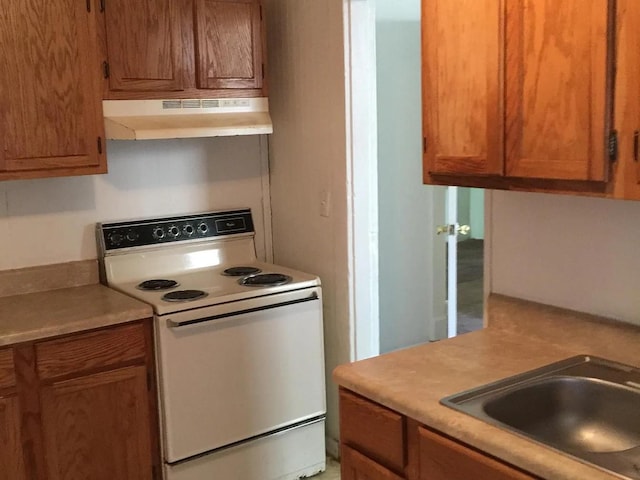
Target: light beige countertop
(521, 336)
(47, 313)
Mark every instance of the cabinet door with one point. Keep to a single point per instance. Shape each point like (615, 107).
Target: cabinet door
(356, 466)
(444, 459)
(51, 107)
(228, 44)
(558, 89)
(98, 426)
(462, 103)
(143, 45)
(11, 459)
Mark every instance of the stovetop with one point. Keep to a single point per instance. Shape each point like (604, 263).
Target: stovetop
(218, 288)
(189, 255)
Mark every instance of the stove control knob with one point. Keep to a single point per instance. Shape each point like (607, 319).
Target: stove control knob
(158, 233)
(188, 230)
(203, 228)
(174, 231)
(132, 235)
(116, 238)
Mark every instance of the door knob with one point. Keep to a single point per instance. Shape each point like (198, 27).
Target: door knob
(453, 229)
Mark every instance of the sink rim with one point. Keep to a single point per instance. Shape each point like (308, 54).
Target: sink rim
(470, 402)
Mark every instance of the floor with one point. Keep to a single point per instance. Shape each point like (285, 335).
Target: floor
(470, 285)
(331, 473)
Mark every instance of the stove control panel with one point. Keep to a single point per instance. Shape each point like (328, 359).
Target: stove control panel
(138, 233)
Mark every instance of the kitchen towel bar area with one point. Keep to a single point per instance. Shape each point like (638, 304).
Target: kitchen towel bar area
(239, 345)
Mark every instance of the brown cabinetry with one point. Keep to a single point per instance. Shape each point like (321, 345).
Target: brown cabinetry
(11, 458)
(84, 407)
(143, 45)
(380, 444)
(50, 106)
(183, 49)
(517, 94)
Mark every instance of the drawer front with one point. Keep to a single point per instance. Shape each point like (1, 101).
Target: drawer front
(374, 430)
(7, 371)
(90, 351)
(444, 459)
(355, 466)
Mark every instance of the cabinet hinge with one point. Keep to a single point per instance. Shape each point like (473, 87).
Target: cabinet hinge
(613, 146)
(100, 145)
(636, 137)
(263, 70)
(105, 69)
(89, 6)
(424, 144)
(102, 6)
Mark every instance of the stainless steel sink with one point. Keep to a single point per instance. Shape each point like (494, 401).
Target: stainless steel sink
(585, 407)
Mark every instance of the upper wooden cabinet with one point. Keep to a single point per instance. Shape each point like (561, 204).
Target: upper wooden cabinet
(517, 92)
(559, 93)
(50, 103)
(143, 45)
(461, 87)
(183, 49)
(228, 44)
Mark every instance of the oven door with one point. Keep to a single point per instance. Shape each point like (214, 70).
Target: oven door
(234, 371)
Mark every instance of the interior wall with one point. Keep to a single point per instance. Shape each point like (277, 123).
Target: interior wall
(476, 212)
(308, 163)
(573, 252)
(52, 220)
(409, 266)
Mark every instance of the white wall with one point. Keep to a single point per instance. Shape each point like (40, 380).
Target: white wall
(572, 252)
(411, 258)
(52, 220)
(476, 212)
(308, 161)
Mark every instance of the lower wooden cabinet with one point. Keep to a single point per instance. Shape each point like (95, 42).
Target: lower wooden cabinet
(356, 466)
(104, 417)
(444, 459)
(425, 454)
(11, 459)
(83, 407)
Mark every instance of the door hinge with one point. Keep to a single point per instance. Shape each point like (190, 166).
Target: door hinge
(105, 69)
(100, 145)
(613, 146)
(636, 137)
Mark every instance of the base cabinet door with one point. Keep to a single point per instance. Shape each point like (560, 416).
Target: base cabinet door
(83, 439)
(356, 466)
(11, 459)
(444, 459)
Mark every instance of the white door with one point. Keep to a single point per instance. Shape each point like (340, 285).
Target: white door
(451, 229)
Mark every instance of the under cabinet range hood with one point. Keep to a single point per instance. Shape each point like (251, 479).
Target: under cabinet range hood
(162, 119)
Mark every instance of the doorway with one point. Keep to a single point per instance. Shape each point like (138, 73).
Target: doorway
(470, 261)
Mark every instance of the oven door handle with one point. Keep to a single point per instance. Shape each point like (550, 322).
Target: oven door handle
(177, 324)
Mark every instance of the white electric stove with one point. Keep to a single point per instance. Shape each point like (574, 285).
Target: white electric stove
(239, 346)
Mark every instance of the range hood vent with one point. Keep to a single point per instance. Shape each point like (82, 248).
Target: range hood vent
(161, 119)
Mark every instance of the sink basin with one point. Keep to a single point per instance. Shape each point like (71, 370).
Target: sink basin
(585, 407)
